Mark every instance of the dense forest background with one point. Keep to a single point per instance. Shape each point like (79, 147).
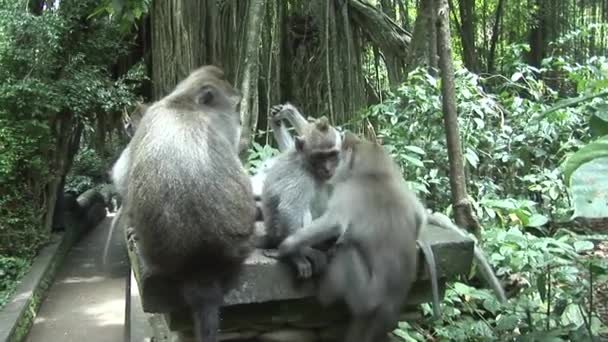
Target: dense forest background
(527, 78)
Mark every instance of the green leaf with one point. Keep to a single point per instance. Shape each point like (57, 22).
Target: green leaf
(573, 316)
(413, 161)
(516, 76)
(472, 157)
(507, 322)
(117, 6)
(596, 149)
(537, 220)
(589, 186)
(541, 285)
(462, 289)
(404, 335)
(598, 123)
(415, 149)
(583, 245)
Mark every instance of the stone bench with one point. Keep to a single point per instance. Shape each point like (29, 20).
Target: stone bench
(270, 304)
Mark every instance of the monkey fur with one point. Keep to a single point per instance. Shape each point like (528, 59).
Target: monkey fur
(278, 114)
(188, 195)
(285, 142)
(296, 183)
(376, 221)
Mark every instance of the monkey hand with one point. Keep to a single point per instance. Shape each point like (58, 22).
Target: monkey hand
(277, 112)
(304, 267)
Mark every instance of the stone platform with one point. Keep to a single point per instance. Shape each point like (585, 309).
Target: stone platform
(270, 304)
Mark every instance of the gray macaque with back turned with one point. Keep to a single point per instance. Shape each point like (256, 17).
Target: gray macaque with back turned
(188, 195)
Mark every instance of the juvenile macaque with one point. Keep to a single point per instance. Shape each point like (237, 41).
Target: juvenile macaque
(376, 222)
(284, 140)
(188, 195)
(296, 183)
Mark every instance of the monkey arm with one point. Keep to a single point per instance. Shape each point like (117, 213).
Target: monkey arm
(281, 135)
(290, 113)
(319, 230)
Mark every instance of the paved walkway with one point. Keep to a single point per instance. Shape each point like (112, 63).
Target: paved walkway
(86, 303)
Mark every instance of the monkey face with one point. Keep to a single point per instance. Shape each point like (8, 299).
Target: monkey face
(324, 164)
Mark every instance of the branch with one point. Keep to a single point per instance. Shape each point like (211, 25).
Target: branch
(380, 28)
(572, 102)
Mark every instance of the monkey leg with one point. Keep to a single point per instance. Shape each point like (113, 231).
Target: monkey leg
(356, 329)
(304, 268)
(346, 277)
(205, 299)
(375, 327)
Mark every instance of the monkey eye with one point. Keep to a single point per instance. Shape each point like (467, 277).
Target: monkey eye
(320, 157)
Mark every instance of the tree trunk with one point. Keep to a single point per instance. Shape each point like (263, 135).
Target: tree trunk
(537, 36)
(180, 42)
(67, 136)
(467, 21)
(433, 58)
(463, 212)
(495, 36)
(420, 50)
(249, 85)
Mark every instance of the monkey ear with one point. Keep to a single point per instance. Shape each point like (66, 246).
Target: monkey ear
(206, 95)
(299, 142)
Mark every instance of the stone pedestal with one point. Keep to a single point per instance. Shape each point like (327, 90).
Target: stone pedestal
(270, 304)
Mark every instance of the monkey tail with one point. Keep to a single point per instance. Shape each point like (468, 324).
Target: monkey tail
(485, 268)
(204, 297)
(489, 275)
(106, 247)
(431, 266)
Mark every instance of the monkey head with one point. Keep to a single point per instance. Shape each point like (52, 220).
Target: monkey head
(319, 146)
(206, 91)
(359, 157)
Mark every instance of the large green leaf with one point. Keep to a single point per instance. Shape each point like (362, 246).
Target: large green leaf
(589, 186)
(596, 149)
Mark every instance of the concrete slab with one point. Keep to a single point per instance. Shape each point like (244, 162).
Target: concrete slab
(139, 322)
(264, 279)
(86, 302)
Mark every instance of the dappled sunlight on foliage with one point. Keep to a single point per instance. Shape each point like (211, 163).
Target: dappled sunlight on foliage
(54, 66)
